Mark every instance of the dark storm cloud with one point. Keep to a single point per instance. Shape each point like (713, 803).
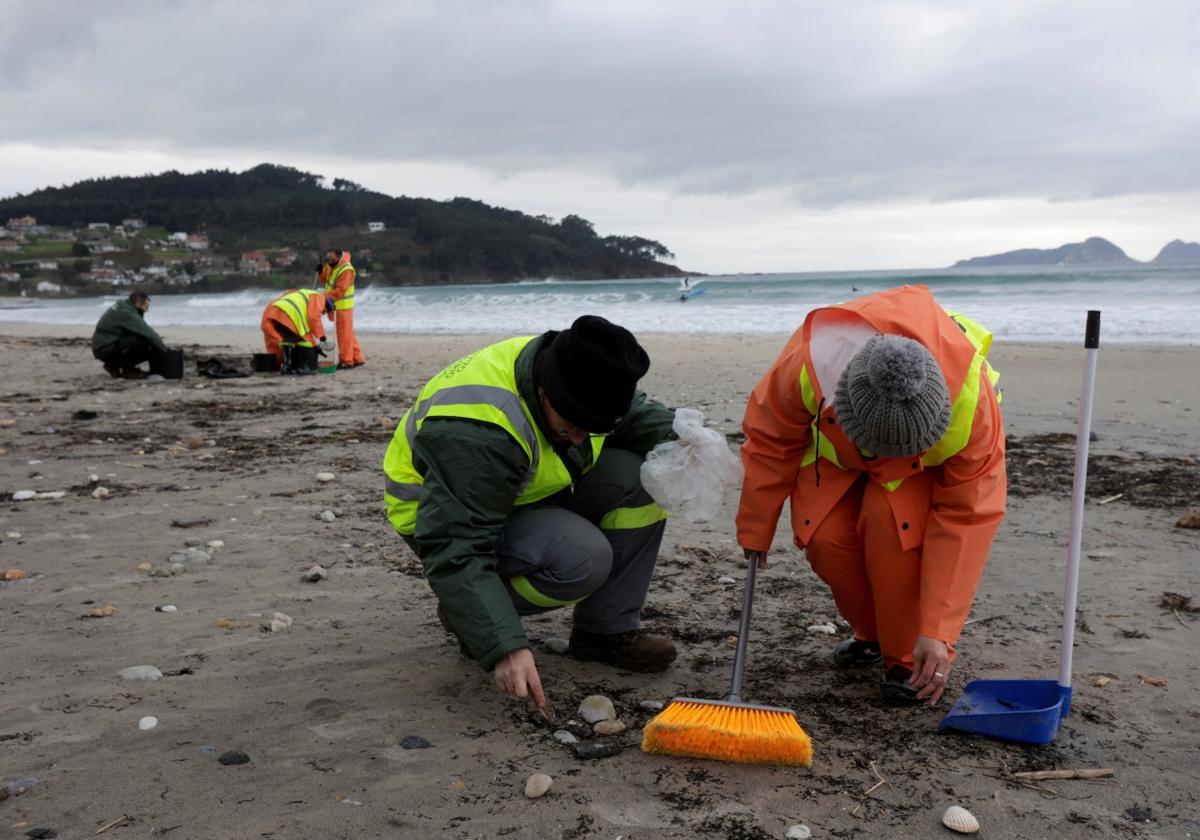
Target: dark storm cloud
(832, 103)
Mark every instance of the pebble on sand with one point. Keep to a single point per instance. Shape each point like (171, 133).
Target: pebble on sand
(193, 441)
(1191, 519)
(726, 579)
(278, 623)
(609, 727)
(101, 493)
(234, 757)
(651, 705)
(414, 742)
(328, 516)
(13, 574)
(314, 574)
(597, 749)
(826, 629)
(147, 723)
(325, 477)
(141, 672)
(23, 495)
(565, 737)
(597, 708)
(558, 645)
(537, 785)
(799, 831)
(216, 545)
(167, 608)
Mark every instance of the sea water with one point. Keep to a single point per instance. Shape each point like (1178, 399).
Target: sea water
(1139, 304)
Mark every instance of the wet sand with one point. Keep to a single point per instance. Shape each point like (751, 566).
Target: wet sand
(322, 709)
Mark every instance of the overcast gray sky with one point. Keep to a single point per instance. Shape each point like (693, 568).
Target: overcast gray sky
(746, 136)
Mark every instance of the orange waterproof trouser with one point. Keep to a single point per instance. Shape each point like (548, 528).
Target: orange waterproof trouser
(349, 353)
(276, 329)
(875, 583)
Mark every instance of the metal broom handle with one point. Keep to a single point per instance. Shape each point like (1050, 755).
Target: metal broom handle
(1091, 342)
(739, 656)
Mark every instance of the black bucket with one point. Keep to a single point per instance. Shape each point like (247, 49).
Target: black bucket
(168, 364)
(264, 363)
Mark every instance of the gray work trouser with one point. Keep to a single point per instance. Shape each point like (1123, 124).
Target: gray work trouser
(594, 546)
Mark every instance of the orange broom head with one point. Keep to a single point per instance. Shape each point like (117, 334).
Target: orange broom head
(727, 731)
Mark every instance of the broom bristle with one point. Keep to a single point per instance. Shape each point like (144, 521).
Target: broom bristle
(728, 732)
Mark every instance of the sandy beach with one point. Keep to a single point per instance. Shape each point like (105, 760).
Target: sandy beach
(322, 708)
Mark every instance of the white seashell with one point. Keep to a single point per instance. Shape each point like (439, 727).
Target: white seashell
(325, 476)
(827, 629)
(147, 723)
(52, 494)
(565, 737)
(328, 516)
(799, 831)
(960, 819)
(93, 479)
(278, 623)
(651, 705)
(101, 493)
(726, 579)
(141, 672)
(609, 727)
(168, 608)
(23, 495)
(597, 708)
(216, 545)
(537, 785)
(558, 645)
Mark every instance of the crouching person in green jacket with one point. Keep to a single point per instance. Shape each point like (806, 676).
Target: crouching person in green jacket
(123, 339)
(515, 477)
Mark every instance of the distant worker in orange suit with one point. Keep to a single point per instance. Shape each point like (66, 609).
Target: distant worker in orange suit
(880, 423)
(337, 276)
(294, 320)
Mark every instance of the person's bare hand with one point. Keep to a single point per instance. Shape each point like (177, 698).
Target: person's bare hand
(759, 557)
(516, 674)
(931, 668)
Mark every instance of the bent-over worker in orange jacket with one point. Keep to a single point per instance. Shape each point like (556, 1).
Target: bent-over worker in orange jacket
(337, 277)
(294, 318)
(880, 422)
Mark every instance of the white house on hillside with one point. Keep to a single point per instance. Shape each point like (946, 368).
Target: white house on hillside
(49, 287)
(376, 227)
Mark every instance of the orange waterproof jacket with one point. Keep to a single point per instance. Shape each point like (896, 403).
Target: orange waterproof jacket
(279, 310)
(951, 512)
(344, 281)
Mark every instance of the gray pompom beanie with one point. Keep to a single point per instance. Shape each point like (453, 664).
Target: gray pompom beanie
(892, 400)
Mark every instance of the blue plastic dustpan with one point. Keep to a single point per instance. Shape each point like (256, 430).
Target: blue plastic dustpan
(1030, 711)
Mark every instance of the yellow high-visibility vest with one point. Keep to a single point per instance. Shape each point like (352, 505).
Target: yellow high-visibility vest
(295, 306)
(481, 387)
(346, 301)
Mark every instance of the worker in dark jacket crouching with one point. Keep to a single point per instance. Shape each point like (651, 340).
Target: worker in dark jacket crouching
(515, 477)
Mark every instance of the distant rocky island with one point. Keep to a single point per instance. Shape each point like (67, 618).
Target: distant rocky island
(1092, 251)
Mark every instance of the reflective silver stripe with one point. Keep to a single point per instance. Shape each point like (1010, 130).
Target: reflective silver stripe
(403, 492)
(502, 399)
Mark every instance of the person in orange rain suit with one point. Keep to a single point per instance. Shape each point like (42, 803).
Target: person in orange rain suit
(337, 277)
(295, 318)
(898, 512)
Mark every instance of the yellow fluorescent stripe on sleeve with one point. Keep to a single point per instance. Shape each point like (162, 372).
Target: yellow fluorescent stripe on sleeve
(524, 588)
(629, 519)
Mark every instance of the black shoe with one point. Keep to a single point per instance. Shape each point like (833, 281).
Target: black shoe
(634, 650)
(112, 370)
(345, 366)
(856, 653)
(133, 373)
(896, 689)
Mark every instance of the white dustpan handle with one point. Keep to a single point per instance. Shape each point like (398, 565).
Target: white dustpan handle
(1091, 341)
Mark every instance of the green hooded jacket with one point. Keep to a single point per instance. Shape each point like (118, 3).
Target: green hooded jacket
(473, 474)
(121, 319)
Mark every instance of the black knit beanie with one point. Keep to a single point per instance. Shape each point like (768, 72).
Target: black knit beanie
(590, 372)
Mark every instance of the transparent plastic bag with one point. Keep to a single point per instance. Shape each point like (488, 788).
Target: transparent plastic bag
(689, 476)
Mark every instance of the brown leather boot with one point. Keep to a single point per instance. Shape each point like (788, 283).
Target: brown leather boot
(634, 650)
